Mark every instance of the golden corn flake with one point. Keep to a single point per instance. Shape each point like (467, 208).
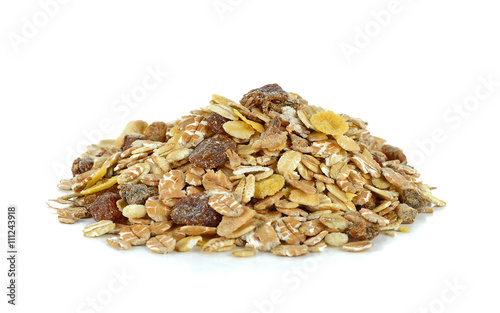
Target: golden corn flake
(329, 123)
(269, 186)
(258, 127)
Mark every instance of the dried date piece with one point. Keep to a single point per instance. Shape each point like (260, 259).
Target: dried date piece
(215, 122)
(81, 166)
(360, 231)
(137, 193)
(105, 208)
(267, 97)
(407, 213)
(413, 198)
(90, 198)
(211, 152)
(194, 210)
(128, 140)
(157, 131)
(394, 153)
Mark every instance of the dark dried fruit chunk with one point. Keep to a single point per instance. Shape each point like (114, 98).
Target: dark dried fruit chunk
(89, 199)
(137, 193)
(360, 231)
(407, 213)
(412, 198)
(157, 131)
(82, 166)
(127, 141)
(194, 210)
(269, 95)
(211, 152)
(215, 122)
(104, 208)
(394, 153)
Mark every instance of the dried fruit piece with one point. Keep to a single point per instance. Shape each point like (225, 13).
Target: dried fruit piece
(194, 210)
(215, 122)
(101, 187)
(211, 152)
(329, 123)
(81, 166)
(271, 95)
(137, 193)
(269, 186)
(407, 213)
(105, 208)
(157, 131)
(239, 129)
(413, 198)
(128, 140)
(394, 153)
(98, 229)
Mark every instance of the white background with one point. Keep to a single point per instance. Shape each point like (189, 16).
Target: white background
(64, 78)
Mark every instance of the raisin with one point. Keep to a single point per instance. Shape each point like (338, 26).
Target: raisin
(394, 153)
(157, 131)
(81, 166)
(137, 193)
(194, 210)
(90, 198)
(127, 141)
(105, 208)
(211, 152)
(268, 95)
(412, 198)
(215, 122)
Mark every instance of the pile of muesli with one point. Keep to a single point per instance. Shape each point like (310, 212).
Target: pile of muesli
(270, 173)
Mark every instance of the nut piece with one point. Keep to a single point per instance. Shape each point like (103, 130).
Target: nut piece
(336, 239)
(358, 246)
(98, 229)
(134, 211)
(290, 250)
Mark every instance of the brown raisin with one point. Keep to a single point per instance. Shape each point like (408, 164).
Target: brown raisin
(211, 152)
(137, 193)
(215, 122)
(413, 198)
(394, 153)
(104, 208)
(89, 199)
(268, 97)
(407, 213)
(194, 210)
(127, 141)
(157, 131)
(81, 166)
